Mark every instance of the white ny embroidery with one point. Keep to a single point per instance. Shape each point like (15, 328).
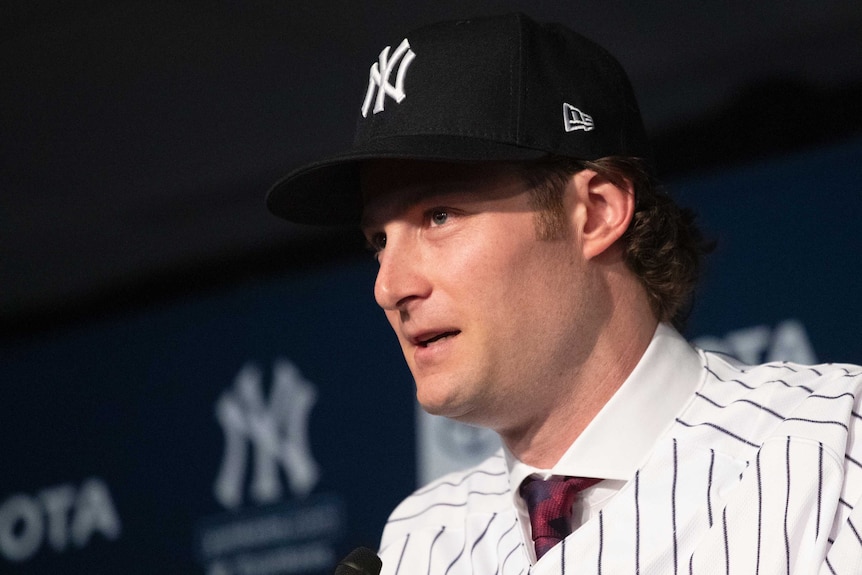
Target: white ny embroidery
(378, 77)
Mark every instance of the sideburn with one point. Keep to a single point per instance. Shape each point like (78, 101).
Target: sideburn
(546, 199)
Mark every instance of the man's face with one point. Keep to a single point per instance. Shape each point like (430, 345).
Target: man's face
(493, 321)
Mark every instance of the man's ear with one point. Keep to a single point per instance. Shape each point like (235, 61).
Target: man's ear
(606, 211)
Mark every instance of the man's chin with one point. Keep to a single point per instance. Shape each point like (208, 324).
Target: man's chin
(435, 408)
(444, 407)
(451, 409)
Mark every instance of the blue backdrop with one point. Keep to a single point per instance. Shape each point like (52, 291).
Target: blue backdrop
(270, 428)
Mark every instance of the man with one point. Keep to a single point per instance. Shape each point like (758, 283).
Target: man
(533, 273)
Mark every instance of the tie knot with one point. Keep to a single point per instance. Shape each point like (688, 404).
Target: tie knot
(549, 503)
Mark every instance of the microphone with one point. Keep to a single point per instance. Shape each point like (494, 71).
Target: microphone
(360, 561)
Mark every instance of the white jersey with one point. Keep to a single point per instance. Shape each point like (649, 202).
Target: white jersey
(759, 473)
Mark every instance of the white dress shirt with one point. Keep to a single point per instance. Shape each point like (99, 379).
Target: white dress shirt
(622, 435)
(712, 467)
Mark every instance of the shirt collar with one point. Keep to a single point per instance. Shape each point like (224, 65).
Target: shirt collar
(621, 436)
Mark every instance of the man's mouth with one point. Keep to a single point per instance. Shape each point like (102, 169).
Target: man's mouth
(436, 338)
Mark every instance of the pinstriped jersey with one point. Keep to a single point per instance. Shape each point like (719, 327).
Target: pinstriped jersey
(760, 473)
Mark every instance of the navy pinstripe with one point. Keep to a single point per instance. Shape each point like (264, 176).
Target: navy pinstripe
(637, 524)
(759, 513)
(819, 488)
(726, 544)
(431, 549)
(709, 486)
(601, 542)
(673, 509)
(401, 556)
(734, 477)
(787, 508)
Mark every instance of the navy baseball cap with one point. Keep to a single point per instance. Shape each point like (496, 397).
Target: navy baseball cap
(502, 88)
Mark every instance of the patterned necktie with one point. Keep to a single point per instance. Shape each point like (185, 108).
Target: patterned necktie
(549, 503)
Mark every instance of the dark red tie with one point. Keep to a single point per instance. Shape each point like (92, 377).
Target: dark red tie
(549, 503)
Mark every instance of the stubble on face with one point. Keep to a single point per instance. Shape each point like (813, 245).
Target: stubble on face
(513, 294)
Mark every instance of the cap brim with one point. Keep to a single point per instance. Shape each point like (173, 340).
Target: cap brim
(328, 192)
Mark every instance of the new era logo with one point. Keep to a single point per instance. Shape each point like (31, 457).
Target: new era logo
(574, 119)
(378, 77)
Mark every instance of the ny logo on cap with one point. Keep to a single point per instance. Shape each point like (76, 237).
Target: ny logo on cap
(378, 77)
(574, 119)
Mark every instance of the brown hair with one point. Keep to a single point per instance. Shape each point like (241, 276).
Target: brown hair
(663, 246)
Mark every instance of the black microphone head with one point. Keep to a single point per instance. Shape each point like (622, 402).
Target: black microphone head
(360, 561)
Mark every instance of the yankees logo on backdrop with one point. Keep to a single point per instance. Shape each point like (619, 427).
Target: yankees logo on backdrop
(380, 73)
(276, 430)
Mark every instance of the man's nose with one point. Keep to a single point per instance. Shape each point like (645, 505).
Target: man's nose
(402, 277)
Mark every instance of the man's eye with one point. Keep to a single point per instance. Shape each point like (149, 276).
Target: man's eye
(377, 241)
(439, 216)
